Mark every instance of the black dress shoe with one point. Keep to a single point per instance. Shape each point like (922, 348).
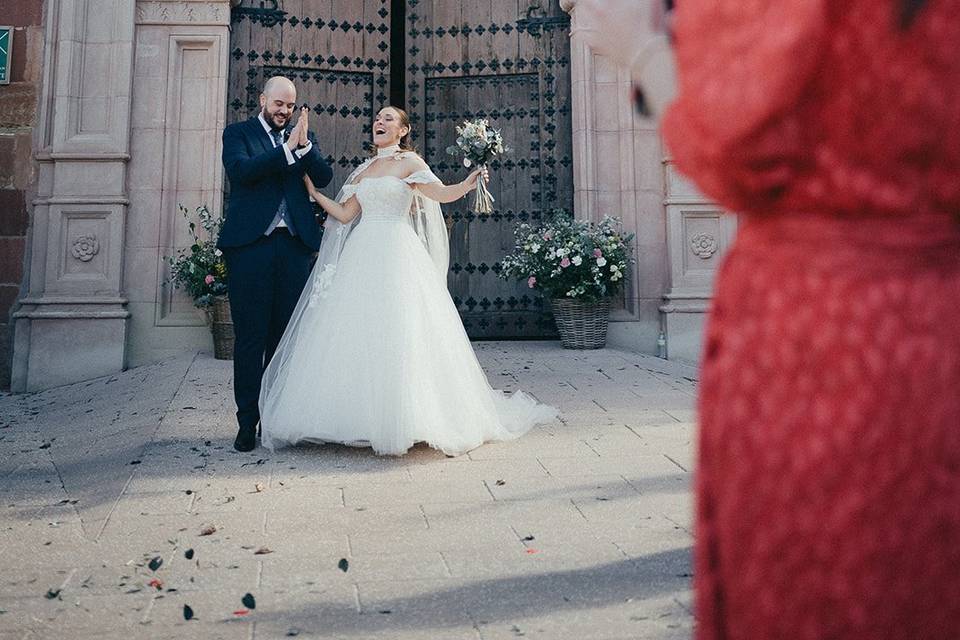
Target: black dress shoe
(246, 439)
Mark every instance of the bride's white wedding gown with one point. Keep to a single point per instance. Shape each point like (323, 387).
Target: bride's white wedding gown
(381, 358)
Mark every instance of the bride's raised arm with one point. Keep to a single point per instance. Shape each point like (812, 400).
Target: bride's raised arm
(440, 192)
(343, 212)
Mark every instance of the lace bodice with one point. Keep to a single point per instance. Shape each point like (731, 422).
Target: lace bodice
(384, 198)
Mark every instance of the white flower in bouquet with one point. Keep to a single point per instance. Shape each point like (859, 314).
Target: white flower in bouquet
(577, 260)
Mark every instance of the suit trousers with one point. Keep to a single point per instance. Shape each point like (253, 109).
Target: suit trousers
(265, 279)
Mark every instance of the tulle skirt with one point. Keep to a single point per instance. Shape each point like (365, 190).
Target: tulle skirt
(382, 359)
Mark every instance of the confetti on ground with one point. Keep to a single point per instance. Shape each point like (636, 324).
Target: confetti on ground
(188, 554)
(249, 601)
(344, 564)
(187, 612)
(155, 563)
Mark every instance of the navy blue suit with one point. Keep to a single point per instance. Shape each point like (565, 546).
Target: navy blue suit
(265, 273)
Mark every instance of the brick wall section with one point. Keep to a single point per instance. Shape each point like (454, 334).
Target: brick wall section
(18, 110)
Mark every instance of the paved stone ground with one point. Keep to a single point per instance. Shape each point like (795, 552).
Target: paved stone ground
(580, 529)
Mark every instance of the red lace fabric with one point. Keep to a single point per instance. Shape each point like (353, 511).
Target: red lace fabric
(828, 502)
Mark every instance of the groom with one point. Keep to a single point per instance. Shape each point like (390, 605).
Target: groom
(269, 235)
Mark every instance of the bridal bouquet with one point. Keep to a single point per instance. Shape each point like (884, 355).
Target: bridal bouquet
(573, 259)
(200, 268)
(479, 144)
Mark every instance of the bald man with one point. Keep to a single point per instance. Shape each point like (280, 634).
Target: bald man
(269, 235)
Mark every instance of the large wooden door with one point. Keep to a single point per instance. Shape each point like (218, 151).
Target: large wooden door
(336, 51)
(505, 60)
(508, 61)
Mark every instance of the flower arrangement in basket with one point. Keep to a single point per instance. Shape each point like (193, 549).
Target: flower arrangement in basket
(579, 265)
(202, 272)
(479, 144)
(199, 269)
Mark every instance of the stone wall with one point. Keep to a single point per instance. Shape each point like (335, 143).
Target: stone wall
(133, 101)
(18, 114)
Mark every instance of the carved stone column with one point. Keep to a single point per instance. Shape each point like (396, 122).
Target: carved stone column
(133, 103)
(72, 324)
(618, 170)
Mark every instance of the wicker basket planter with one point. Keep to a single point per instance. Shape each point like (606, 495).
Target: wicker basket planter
(582, 325)
(221, 323)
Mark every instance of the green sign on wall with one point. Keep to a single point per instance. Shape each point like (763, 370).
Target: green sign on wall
(6, 44)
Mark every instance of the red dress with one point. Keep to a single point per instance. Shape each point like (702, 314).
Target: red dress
(828, 486)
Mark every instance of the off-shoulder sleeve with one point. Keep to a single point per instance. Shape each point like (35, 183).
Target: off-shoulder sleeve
(743, 67)
(424, 176)
(346, 192)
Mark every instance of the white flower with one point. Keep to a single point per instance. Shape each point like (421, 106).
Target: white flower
(466, 162)
(218, 253)
(534, 247)
(601, 261)
(577, 260)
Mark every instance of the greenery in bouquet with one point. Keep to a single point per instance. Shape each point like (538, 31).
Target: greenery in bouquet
(478, 144)
(199, 269)
(573, 259)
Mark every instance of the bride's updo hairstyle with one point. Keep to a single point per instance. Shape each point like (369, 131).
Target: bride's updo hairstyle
(405, 144)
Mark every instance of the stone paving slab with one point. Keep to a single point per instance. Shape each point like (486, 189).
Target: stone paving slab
(579, 529)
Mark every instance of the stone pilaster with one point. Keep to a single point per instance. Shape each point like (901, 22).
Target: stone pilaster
(179, 111)
(618, 170)
(72, 323)
(699, 233)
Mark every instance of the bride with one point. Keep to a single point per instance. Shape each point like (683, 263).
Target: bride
(375, 353)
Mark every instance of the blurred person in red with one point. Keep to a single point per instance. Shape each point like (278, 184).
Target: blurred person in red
(828, 480)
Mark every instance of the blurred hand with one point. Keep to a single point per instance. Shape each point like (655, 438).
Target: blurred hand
(635, 34)
(619, 29)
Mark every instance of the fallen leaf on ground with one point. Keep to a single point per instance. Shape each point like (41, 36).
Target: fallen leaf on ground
(155, 563)
(52, 593)
(258, 487)
(156, 584)
(188, 554)
(187, 612)
(528, 538)
(262, 551)
(500, 483)
(208, 530)
(249, 601)
(344, 564)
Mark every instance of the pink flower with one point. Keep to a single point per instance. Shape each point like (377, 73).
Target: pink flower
(597, 253)
(547, 235)
(209, 279)
(565, 262)
(531, 281)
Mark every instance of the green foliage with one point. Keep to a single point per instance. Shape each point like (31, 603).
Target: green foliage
(200, 269)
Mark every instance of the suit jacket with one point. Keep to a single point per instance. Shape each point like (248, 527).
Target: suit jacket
(259, 177)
